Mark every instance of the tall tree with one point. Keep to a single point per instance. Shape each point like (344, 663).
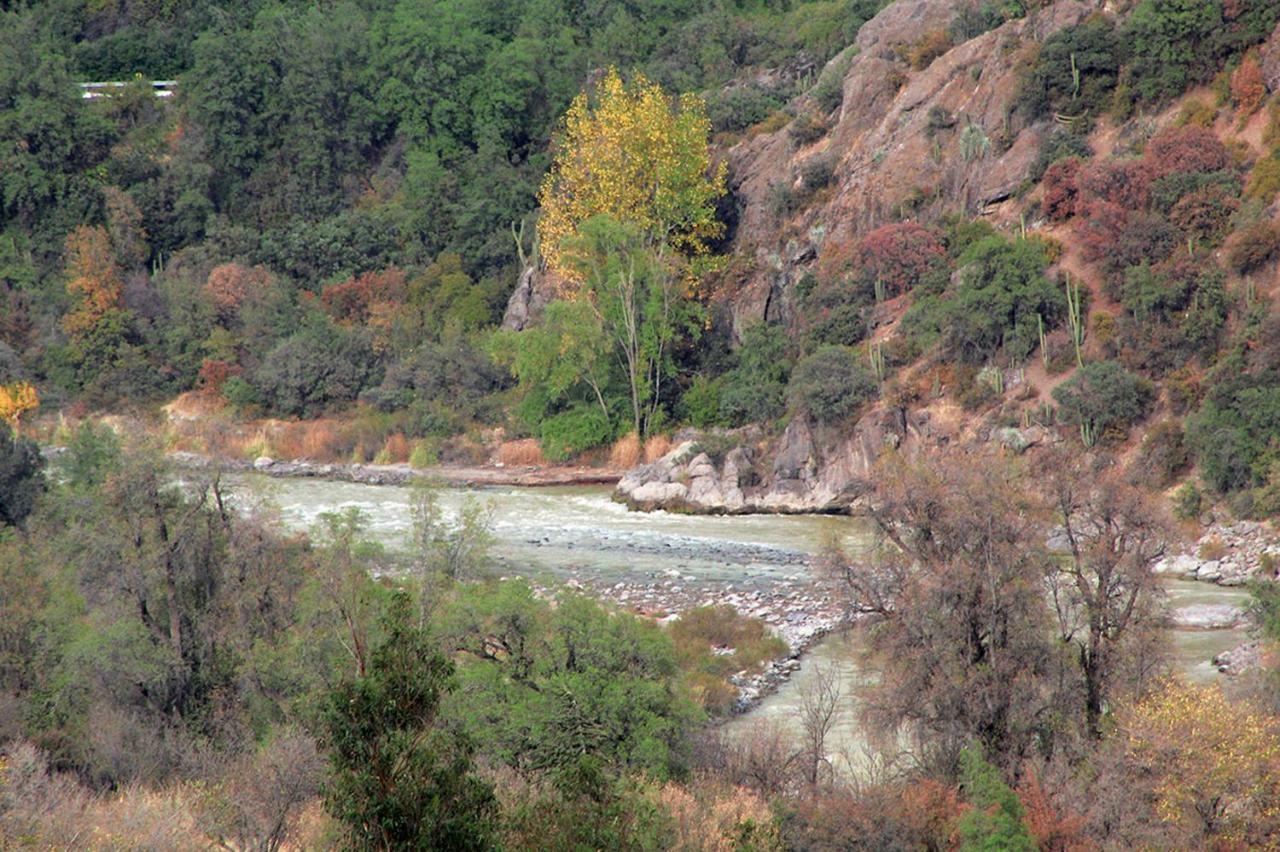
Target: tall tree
(637, 298)
(401, 779)
(1105, 593)
(633, 153)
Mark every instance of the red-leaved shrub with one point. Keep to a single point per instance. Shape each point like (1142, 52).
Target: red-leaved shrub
(1060, 189)
(898, 255)
(1183, 150)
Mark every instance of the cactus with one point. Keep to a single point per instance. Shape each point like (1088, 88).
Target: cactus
(1250, 292)
(1075, 78)
(1088, 433)
(1075, 318)
(1044, 348)
(879, 289)
(875, 354)
(974, 143)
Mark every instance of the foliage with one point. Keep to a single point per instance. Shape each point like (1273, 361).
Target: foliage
(633, 154)
(1102, 395)
(1253, 247)
(1248, 88)
(897, 256)
(1002, 296)
(832, 384)
(1060, 189)
(754, 390)
(16, 399)
(579, 427)
(996, 820)
(570, 689)
(20, 476)
(1218, 786)
(1171, 45)
(718, 642)
(400, 777)
(1074, 72)
(319, 367)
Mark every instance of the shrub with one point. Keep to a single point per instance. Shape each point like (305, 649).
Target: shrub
(1001, 296)
(1060, 189)
(1074, 72)
(808, 128)
(424, 455)
(833, 314)
(1171, 45)
(1264, 183)
(737, 108)
(973, 19)
(816, 172)
(700, 403)
(927, 48)
(1205, 214)
(1188, 502)
(317, 368)
(831, 384)
(1248, 88)
(580, 428)
(1124, 183)
(898, 255)
(1102, 395)
(1253, 247)
(754, 390)
(1164, 456)
(1060, 145)
(1167, 191)
(1186, 149)
(1197, 112)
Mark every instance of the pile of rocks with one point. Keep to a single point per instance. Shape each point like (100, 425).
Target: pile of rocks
(1228, 554)
(797, 610)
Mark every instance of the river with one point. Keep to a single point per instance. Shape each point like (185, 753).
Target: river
(579, 534)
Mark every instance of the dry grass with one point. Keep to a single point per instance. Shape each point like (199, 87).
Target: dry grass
(625, 452)
(655, 447)
(710, 817)
(522, 453)
(1212, 549)
(396, 449)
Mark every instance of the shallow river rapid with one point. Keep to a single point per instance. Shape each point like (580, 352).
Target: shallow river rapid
(578, 532)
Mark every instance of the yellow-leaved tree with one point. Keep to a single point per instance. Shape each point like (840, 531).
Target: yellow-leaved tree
(631, 152)
(1214, 765)
(15, 399)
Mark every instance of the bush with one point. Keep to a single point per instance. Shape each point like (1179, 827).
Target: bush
(816, 172)
(20, 476)
(897, 256)
(1092, 49)
(570, 432)
(1188, 502)
(317, 368)
(973, 19)
(833, 314)
(1248, 88)
(1001, 296)
(1254, 247)
(1103, 395)
(808, 128)
(831, 384)
(700, 403)
(1060, 145)
(1060, 189)
(1165, 456)
(1264, 183)
(1171, 43)
(737, 108)
(1186, 149)
(754, 390)
(927, 48)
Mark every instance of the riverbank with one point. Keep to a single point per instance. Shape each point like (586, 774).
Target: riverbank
(458, 476)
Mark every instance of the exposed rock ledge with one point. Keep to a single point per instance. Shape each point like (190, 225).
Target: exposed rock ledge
(801, 474)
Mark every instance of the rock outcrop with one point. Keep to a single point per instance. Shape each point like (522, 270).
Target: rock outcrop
(804, 470)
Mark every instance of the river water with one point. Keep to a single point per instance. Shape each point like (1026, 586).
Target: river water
(579, 533)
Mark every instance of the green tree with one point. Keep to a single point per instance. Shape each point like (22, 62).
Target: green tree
(20, 479)
(832, 384)
(995, 824)
(401, 778)
(1171, 45)
(1103, 395)
(636, 292)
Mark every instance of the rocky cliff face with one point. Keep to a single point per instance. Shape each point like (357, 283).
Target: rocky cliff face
(895, 144)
